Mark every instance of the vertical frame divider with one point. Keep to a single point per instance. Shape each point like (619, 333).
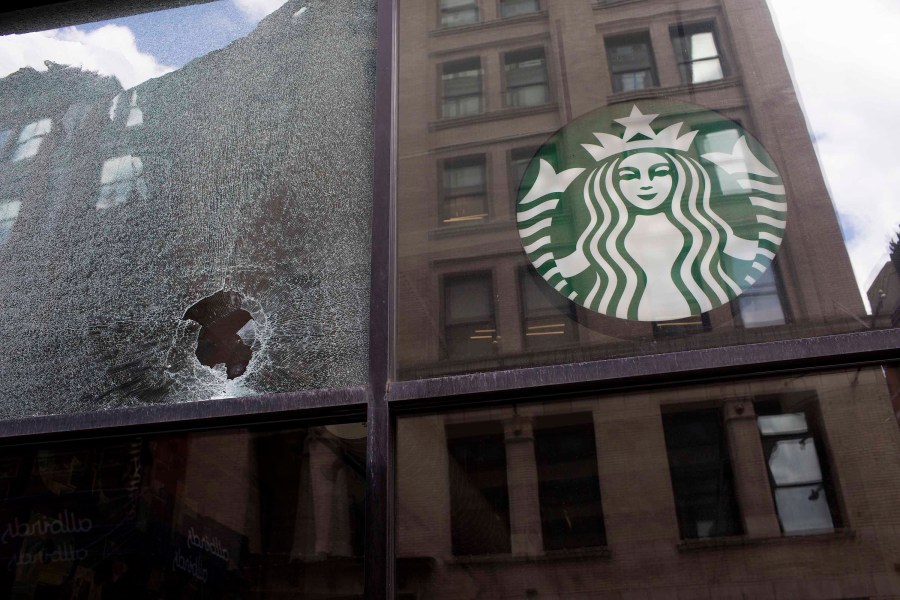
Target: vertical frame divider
(379, 543)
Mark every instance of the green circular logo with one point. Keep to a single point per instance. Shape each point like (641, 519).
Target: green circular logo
(651, 210)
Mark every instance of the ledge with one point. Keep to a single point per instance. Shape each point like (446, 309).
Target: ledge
(599, 552)
(740, 360)
(495, 115)
(601, 5)
(492, 24)
(449, 231)
(674, 90)
(742, 541)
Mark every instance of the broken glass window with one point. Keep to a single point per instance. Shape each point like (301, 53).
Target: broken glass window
(244, 266)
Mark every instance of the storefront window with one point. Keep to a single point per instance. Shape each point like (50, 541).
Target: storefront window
(186, 215)
(236, 513)
(578, 495)
(575, 260)
(655, 170)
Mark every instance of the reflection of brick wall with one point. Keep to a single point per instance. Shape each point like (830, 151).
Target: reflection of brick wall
(820, 294)
(644, 556)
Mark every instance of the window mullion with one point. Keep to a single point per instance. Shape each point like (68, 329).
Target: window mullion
(379, 547)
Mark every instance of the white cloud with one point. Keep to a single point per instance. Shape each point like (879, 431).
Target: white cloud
(257, 9)
(844, 59)
(109, 50)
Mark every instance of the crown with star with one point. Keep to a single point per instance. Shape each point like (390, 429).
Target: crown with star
(635, 124)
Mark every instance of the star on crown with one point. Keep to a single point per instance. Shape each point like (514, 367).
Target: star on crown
(635, 124)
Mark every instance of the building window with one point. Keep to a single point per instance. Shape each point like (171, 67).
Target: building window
(514, 8)
(520, 158)
(479, 496)
(681, 327)
(723, 141)
(464, 190)
(458, 12)
(526, 77)
(461, 93)
(5, 135)
(548, 317)
(121, 179)
(804, 499)
(30, 139)
(631, 63)
(701, 474)
(9, 212)
(135, 114)
(469, 325)
(568, 484)
(697, 53)
(760, 305)
(518, 163)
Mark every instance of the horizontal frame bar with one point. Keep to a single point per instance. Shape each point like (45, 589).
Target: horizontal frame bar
(816, 353)
(23, 16)
(246, 410)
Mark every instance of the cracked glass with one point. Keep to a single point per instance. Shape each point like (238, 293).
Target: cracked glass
(185, 205)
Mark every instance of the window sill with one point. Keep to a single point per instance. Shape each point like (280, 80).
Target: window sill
(659, 91)
(601, 552)
(454, 230)
(503, 113)
(499, 22)
(603, 4)
(740, 541)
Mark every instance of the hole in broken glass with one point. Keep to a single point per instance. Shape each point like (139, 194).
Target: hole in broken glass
(227, 332)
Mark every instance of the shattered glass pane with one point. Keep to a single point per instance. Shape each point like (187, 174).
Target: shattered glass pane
(194, 224)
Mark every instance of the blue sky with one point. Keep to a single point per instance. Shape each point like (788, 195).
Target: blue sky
(178, 35)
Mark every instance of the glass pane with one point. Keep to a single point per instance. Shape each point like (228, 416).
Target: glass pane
(630, 62)
(761, 311)
(803, 509)
(574, 496)
(795, 461)
(568, 485)
(782, 424)
(236, 513)
(702, 480)
(458, 12)
(479, 501)
(659, 209)
(195, 190)
(700, 45)
(514, 8)
(701, 71)
(469, 298)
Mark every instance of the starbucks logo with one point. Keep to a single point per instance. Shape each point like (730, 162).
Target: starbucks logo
(651, 211)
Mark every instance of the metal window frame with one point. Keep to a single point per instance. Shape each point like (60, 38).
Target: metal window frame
(384, 398)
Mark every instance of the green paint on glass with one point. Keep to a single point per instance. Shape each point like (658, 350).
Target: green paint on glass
(651, 210)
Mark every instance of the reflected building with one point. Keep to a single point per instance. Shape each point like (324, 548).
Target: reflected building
(749, 489)
(484, 84)
(884, 298)
(746, 490)
(230, 514)
(126, 216)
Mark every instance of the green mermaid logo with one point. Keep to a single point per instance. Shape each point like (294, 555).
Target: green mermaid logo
(651, 224)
